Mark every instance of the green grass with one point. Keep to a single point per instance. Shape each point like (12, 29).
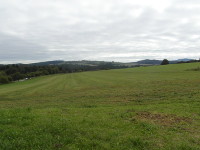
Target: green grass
(145, 108)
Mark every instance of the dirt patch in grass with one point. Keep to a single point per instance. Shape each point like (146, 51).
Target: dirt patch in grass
(194, 69)
(58, 146)
(163, 119)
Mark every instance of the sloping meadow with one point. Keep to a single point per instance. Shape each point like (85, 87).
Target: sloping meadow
(141, 108)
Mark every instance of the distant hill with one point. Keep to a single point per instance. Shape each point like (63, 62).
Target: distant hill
(144, 62)
(55, 62)
(83, 63)
(149, 62)
(158, 62)
(185, 59)
(180, 60)
(87, 62)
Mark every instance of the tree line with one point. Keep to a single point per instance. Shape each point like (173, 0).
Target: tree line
(16, 72)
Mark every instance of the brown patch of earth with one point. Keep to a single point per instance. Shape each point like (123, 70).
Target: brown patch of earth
(58, 146)
(163, 119)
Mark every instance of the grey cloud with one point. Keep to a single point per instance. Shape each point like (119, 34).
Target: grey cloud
(13, 48)
(98, 29)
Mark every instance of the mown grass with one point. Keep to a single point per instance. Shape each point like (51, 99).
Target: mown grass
(138, 109)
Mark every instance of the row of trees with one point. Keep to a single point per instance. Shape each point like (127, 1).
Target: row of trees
(9, 73)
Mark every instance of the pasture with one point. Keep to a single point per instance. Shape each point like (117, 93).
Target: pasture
(145, 108)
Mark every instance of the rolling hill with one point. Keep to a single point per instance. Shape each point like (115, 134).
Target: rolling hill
(96, 63)
(140, 108)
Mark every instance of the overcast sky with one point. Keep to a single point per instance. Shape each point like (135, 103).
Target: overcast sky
(111, 30)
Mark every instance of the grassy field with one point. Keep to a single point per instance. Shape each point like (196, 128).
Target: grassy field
(145, 108)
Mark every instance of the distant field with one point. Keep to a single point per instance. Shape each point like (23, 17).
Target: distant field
(145, 108)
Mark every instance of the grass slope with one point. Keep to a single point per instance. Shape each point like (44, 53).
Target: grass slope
(138, 109)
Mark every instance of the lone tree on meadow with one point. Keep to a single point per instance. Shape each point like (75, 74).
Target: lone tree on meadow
(165, 62)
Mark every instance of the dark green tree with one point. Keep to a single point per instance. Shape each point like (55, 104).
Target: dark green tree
(17, 76)
(165, 62)
(4, 78)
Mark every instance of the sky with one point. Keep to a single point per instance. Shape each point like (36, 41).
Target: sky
(109, 30)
